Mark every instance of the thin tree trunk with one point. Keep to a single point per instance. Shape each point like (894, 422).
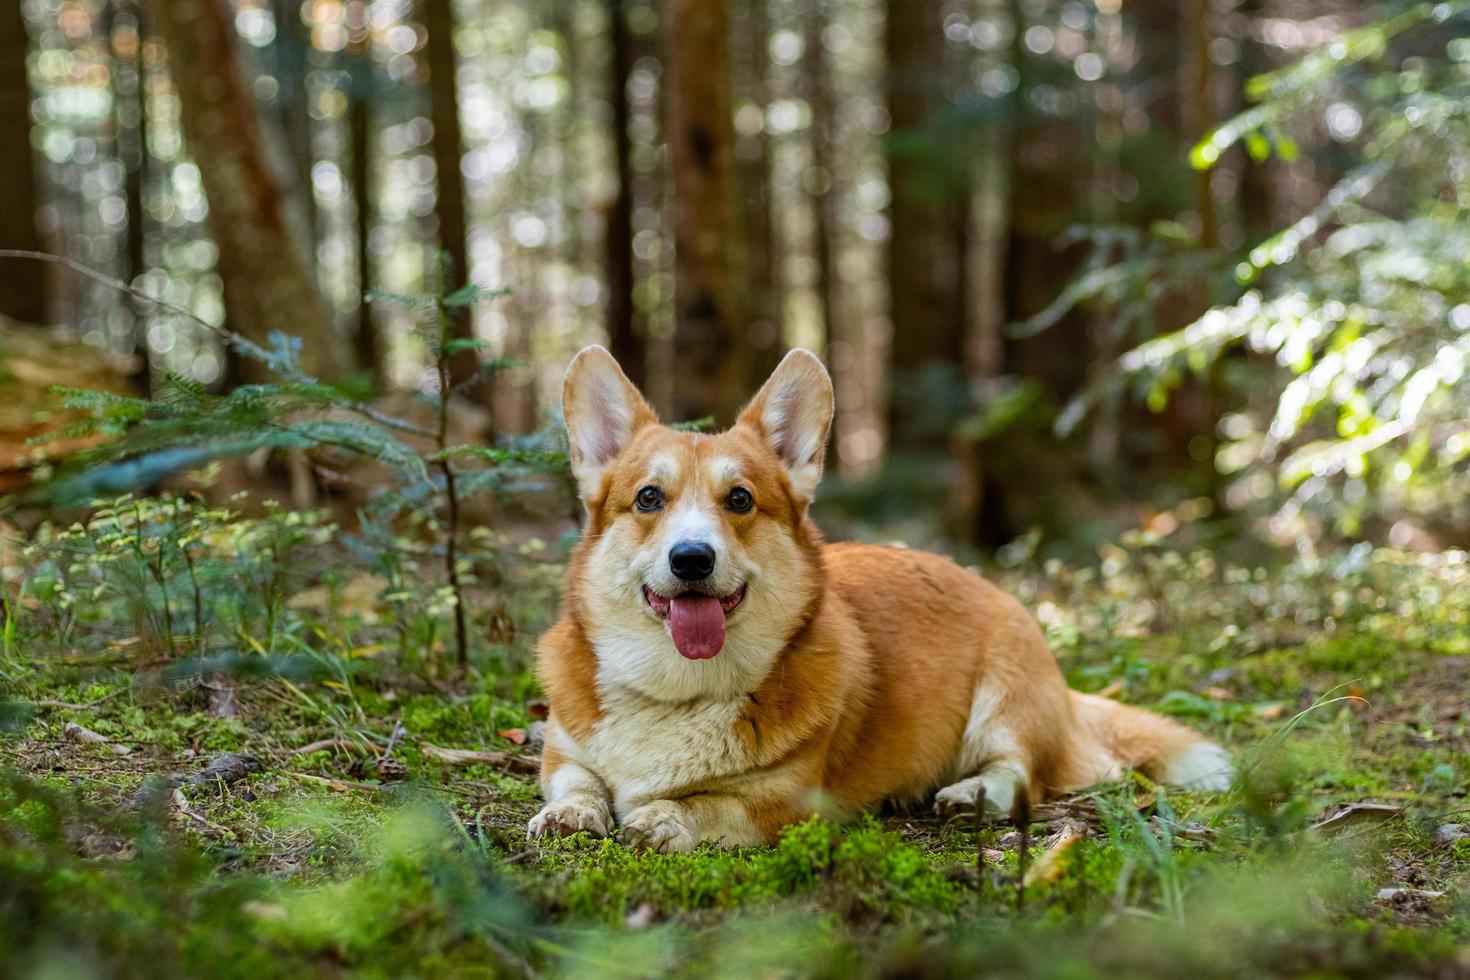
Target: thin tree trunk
(1200, 112)
(268, 281)
(923, 267)
(1255, 178)
(709, 368)
(293, 64)
(449, 208)
(817, 82)
(370, 355)
(1200, 72)
(22, 289)
(126, 33)
(624, 338)
(758, 266)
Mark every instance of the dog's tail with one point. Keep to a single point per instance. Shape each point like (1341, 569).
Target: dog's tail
(1119, 736)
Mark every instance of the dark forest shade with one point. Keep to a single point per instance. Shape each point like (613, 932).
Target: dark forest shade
(22, 290)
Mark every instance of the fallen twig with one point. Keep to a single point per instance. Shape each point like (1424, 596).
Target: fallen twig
(181, 806)
(340, 785)
(339, 744)
(68, 706)
(473, 757)
(85, 736)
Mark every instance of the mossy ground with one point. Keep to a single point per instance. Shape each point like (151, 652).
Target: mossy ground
(1335, 684)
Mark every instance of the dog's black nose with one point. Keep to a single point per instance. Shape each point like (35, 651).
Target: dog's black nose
(692, 560)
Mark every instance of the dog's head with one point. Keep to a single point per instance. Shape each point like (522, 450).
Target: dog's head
(698, 563)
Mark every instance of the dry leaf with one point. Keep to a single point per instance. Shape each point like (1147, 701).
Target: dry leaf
(1356, 814)
(1048, 866)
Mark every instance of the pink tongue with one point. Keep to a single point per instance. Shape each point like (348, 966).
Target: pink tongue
(698, 625)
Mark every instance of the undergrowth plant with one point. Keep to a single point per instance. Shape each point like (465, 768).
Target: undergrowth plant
(1344, 337)
(142, 441)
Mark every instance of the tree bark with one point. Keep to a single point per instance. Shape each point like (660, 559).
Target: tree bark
(126, 34)
(267, 278)
(709, 362)
(758, 270)
(370, 354)
(925, 304)
(22, 289)
(817, 83)
(624, 338)
(293, 57)
(449, 207)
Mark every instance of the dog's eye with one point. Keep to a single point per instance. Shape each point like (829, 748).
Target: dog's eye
(650, 499)
(740, 500)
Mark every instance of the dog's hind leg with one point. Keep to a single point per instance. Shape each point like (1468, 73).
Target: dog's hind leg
(997, 785)
(995, 766)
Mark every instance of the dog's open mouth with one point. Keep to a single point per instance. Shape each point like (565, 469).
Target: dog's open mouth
(696, 621)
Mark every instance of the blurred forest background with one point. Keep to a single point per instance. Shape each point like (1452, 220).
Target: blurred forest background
(1071, 263)
(1157, 309)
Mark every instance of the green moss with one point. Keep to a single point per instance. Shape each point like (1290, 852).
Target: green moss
(860, 867)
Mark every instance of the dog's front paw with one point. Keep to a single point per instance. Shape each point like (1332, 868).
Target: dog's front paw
(663, 826)
(569, 815)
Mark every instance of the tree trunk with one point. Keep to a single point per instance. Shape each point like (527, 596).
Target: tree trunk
(1256, 208)
(923, 268)
(22, 288)
(758, 266)
(1199, 76)
(370, 354)
(449, 206)
(624, 337)
(267, 278)
(126, 34)
(817, 85)
(708, 354)
(293, 56)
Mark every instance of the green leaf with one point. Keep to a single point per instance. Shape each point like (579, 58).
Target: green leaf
(459, 344)
(1257, 146)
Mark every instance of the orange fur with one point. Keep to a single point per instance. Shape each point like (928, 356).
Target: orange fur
(853, 674)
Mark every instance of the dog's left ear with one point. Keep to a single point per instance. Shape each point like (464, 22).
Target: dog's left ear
(602, 409)
(793, 413)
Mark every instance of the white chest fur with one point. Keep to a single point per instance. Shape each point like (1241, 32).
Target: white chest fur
(645, 750)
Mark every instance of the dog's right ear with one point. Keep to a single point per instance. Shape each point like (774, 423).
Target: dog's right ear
(602, 411)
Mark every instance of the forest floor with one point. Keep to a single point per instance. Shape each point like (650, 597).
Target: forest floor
(377, 826)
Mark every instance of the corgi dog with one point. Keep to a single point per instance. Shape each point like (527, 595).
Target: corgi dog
(719, 672)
